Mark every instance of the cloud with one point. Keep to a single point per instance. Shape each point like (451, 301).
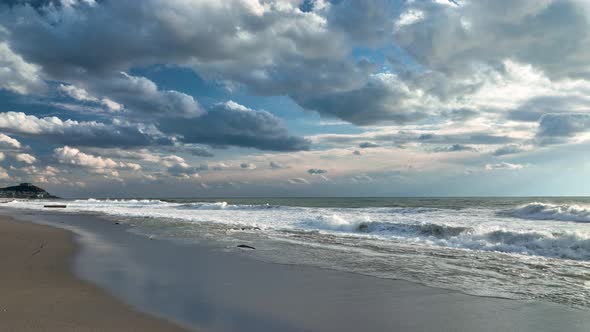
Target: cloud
(198, 151)
(316, 171)
(454, 39)
(247, 166)
(361, 178)
(26, 158)
(3, 174)
(82, 95)
(275, 165)
(298, 181)
(81, 133)
(183, 170)
(384, 98)
(178, 167)
(365, 145)
(508, 149)
(76, 93)
(73, 157)
(142, 95)
(364, 22)
(269, 47)
(455, 148)
(461, 114)
(236, 125)
(503, 166)
(465, 138)
(7, 142)
(16, 74)
(556, 128)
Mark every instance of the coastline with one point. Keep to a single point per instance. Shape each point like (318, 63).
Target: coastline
(205, 288)
(41, 293)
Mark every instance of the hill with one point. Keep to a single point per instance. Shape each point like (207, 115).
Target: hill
(25, 190)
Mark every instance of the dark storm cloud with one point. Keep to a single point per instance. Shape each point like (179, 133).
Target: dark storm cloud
(285, 50)
(141, 95)
(364, 22)
(381, 99)
(557, 128)
(316, 171)
(233, 124)
(198, 151)
(405, 137)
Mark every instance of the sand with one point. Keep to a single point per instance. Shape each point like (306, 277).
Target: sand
(38, 291)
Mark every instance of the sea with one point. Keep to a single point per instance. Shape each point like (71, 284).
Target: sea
(527, 248)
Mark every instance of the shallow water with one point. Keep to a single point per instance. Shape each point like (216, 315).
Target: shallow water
(521, 248)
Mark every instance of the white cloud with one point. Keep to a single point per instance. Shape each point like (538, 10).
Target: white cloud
(8, 142)
(16, 74)
(3, 174)
(82, 133)
(26, 158)
(298, 181)
(74, 157)
(82, 95)
(503, 166)
(76, 93)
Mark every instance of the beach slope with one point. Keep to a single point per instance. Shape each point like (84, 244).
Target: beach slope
(40, 293)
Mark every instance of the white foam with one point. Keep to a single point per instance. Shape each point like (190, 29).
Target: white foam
(545, 211)
(472, 229)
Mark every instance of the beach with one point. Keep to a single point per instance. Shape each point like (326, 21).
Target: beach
(39, 292)
(210, 288)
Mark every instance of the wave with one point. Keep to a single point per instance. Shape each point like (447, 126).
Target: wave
(557, 244)
(545, 211)
(470, 229)
(225, 205)
(140, 203)
(565, 245)
(336, 222)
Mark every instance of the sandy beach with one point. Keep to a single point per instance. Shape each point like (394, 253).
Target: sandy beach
(40, 293)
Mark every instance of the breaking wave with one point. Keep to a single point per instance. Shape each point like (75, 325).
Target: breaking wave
(365, 225)
(545, 211)
(475, 229)
(155, 203)
(557, 244)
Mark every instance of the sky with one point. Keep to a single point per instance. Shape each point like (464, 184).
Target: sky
(191, 98)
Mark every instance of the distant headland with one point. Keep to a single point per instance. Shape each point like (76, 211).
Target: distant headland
(25, 190)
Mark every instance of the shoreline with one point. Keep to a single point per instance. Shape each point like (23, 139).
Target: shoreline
(40, 292)
(206, 288)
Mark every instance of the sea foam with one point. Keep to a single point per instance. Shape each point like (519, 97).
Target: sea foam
(545, 211)
(470, 229)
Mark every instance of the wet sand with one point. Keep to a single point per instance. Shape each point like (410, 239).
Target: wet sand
(38, 291)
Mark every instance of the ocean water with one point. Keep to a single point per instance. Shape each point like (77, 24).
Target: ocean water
(521, 248)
